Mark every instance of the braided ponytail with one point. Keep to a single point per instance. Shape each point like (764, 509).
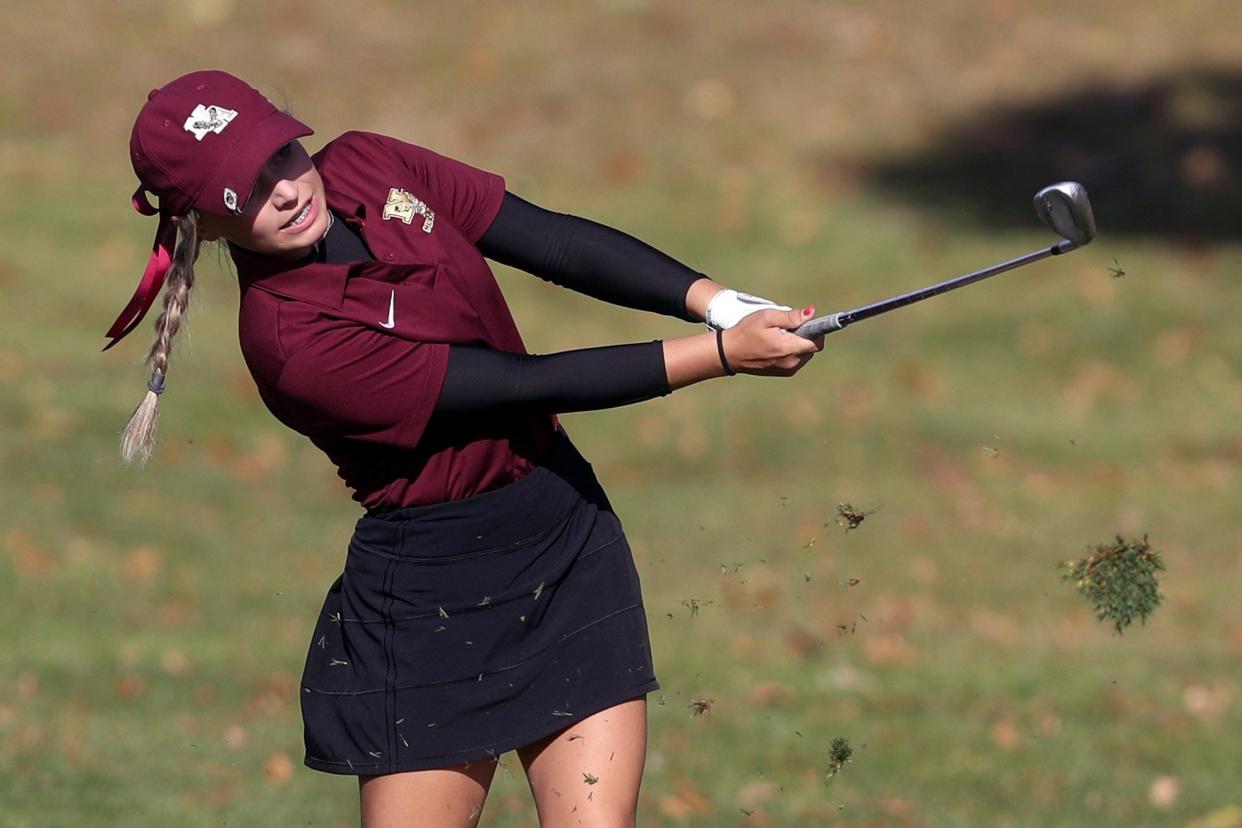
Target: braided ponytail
(138, 438)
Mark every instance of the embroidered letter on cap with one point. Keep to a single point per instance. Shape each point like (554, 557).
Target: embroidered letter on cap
(205, 119)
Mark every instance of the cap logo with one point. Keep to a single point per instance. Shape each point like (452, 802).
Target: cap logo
(402, 205)
(205, 119)
(230, 199)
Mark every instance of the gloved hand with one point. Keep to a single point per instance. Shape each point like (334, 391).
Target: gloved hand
(728, 307)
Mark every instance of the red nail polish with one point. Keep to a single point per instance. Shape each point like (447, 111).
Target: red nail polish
(808, 310)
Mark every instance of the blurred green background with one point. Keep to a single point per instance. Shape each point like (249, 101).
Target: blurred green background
(155, 620)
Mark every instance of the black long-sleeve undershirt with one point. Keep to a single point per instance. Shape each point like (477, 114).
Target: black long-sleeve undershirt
(586, 379)
(588, 257)
(578, 254)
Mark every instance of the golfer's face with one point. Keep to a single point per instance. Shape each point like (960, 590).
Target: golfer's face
(285, 214)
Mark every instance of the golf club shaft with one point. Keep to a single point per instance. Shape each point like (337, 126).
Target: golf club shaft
(837, 321)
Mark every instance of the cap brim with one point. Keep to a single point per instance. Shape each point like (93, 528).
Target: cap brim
(239, 173)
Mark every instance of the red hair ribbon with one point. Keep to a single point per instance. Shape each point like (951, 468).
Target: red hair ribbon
(154, 275)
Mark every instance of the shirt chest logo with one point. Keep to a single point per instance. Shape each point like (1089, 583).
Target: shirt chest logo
(402, 205)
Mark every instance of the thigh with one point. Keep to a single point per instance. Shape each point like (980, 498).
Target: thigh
(589, 773)
(426, 799)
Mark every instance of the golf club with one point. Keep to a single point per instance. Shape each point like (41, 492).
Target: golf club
(1064, 207)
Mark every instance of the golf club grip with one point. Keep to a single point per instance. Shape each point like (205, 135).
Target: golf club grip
(821, 325)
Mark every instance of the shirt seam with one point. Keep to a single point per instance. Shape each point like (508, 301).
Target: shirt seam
(280, 340)
(440, 355)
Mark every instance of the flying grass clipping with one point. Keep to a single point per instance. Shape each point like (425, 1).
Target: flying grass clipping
(839, 752)
(850, 517)
(1119, 579)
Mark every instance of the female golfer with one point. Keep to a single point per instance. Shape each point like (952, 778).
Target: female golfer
(489, 601)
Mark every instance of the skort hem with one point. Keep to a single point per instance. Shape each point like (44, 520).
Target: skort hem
(481, 754)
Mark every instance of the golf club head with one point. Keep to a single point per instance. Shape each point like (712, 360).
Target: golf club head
(1066, 209)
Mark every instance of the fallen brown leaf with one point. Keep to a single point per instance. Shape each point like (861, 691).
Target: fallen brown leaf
(769, 694)
(1005, 735)
(685, 803)
(279, 768)
(142, 565)
(890, 649)
(129, 687)
(1164, 791)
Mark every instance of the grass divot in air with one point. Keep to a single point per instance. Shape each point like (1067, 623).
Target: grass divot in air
(1119, 579)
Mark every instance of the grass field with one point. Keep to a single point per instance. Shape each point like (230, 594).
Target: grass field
(157, 619)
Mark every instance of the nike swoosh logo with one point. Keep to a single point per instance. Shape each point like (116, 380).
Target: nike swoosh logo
(392, 299)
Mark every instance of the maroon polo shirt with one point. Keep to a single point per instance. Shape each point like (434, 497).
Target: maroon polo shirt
(354, 355)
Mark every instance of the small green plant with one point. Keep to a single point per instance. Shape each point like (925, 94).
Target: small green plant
(839, 752)
(1119, 579)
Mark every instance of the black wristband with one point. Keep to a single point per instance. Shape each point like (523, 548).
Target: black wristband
(720, 347)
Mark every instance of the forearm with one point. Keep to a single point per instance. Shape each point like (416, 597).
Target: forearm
(761, 343)
(699, 294)
(691, 359)
(593, 259)
(483, 379)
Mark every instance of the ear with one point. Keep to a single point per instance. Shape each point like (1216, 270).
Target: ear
(207, 229)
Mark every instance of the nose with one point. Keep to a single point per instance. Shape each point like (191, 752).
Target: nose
(284, 194)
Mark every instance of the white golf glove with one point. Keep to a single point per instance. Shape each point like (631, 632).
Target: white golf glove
(728, 307)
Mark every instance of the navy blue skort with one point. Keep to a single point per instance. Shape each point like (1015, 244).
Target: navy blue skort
(462, 630)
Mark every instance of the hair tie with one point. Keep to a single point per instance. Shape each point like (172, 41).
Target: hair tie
(724, 363)
(156, 384)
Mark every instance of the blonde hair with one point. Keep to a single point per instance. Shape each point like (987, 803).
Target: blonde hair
(138, 438)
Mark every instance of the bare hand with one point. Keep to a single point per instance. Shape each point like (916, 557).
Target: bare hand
(763, 343)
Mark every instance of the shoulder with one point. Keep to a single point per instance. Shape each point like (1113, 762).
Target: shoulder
(374, 148)
(258, 334)
(372, 167)
(271, 328)
(370, 145)
(352, 141)
(357, 156)
(349, 148)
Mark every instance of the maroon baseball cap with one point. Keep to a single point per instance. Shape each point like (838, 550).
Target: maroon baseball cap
(199, 142)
